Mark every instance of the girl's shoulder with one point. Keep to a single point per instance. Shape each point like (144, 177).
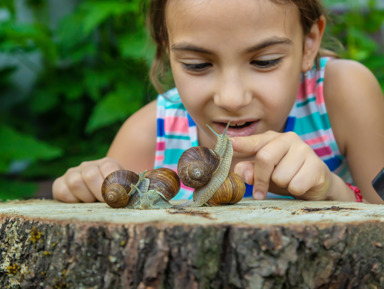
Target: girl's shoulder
(347, 83)
(340, 70)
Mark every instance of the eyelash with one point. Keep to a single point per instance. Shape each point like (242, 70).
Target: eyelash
(264, 64)
(196, 67)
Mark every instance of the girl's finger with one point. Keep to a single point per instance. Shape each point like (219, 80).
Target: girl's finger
(266, 159)
(77, 186)
(252, 144)
(93, 179)
(309, 185)
(109, 165)
(245, 171)
(289, 165)
(95, 173)
(61, 192)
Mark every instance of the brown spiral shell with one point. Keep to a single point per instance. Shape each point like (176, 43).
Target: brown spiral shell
(165, 181)
(196, 165)
(116, 187)
(231, 191)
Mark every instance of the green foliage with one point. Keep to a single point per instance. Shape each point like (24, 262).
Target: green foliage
(91, 68)
(91, 76)
(359, 28)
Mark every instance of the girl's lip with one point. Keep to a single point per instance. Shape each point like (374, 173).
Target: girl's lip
(249, 129)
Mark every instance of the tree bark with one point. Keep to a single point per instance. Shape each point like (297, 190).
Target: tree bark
(254, 244)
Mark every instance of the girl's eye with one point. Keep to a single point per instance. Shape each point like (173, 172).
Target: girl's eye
(266, 63)
(196, 67)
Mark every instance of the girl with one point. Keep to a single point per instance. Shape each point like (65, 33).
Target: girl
(302, 125)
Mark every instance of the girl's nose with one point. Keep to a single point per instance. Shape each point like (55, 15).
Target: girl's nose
(231, 93)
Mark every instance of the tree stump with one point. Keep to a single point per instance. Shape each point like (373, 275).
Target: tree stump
(254, 244)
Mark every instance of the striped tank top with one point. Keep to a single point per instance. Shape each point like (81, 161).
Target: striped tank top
(176, 130)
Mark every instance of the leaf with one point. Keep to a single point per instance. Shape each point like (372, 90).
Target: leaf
(18, 146)
(116, 106)
(136, 46)
(43, 101)
(96, 80)
(69, 32)
(98, 12)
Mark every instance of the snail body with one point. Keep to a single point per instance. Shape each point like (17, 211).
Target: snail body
(215, 176)
(151, 199)
(149, 190)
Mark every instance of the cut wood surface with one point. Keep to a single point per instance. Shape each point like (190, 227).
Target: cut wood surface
(254, 244)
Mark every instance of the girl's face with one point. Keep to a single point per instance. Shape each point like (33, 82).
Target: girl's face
(236, 60)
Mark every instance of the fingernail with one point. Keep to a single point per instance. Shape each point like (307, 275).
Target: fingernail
(258, 196)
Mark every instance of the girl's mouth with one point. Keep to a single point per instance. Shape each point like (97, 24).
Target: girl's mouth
(244, 128)
(240, 125)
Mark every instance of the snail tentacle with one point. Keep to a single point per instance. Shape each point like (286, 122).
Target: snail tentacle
(222, 141)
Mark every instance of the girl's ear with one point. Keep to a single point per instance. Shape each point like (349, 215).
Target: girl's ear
(312, 42)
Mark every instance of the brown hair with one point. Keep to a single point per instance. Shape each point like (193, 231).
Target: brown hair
(310, 12)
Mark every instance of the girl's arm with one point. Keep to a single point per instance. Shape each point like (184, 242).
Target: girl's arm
(133, 148)
(355, 105)
(135, 144)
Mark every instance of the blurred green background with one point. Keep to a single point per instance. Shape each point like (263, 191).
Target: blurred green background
(72, 71)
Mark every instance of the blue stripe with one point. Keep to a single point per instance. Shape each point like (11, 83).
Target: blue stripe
(290, 124)
(248, 191)
(191, 122)
(333, 163)
(160, 127)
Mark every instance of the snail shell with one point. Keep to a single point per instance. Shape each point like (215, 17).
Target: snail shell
(116, 187)
(196, 166)
(231, 191)
(165, 181)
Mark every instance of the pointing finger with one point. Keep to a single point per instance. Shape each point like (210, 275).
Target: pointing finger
(252, 144)
(266, 159)
(245, 171)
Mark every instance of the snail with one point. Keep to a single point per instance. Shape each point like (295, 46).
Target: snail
(207, 171)
(116, 187)
(149, 190)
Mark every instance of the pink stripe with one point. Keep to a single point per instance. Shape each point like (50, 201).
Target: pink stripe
(319, 95)
(300, 92)
(316, 140)
(159, 158)
(186, 188)
(307, 88)
(176, 124)
(324, 151)
(160, 146)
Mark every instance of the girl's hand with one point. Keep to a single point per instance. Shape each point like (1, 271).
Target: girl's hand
(83, 183)
(283, 164)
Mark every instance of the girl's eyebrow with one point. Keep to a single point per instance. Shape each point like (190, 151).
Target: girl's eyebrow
(262, 45)
(189, 47)
(270, 42)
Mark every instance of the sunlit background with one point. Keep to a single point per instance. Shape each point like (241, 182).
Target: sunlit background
(72, 71)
